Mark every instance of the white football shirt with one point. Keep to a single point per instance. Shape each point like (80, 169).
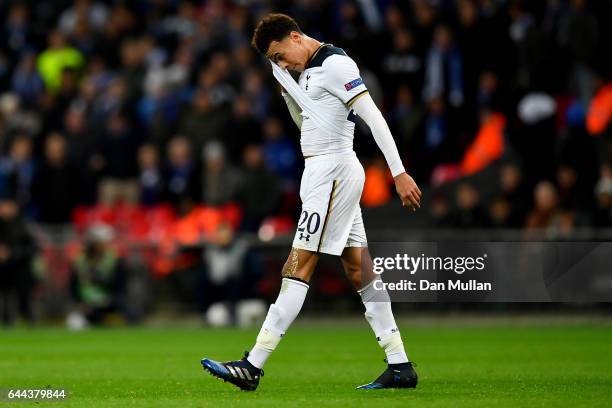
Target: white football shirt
(332, 79)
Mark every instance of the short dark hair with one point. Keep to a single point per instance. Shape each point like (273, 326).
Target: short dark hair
(273, 27)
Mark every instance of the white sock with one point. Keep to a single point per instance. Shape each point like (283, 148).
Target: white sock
(280, 316)
(378, 313)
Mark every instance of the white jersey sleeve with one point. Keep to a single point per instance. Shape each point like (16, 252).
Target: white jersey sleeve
(294, 109)
(367, 110)
(342, 78)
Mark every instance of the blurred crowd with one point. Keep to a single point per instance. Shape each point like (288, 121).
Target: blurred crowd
(165, 101)
(164, 107)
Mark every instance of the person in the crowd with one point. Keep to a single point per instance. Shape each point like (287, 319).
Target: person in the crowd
(17, 171)
(27, 82)
(243, 129)
(203, 121)
(118, 146)
(231, 269)
(221, 180)
(56, 183)
(468, 212)
(280, 153)
(97, 279)
(259, 193)
(56, 58)
(182, 175)
(151, 178)
(547, 219)
(603, 192)
(17, 249)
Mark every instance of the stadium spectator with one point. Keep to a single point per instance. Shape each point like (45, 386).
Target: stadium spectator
(151, 179)
(98, 279)
(55, 59)
(599, 120)
(500, 213)
(259, 193)
(402, 65)
(182, 175)
(55, 185)
(221, 180)
(424, 17)
(468, 212)
(578, 30)
(444, 69)
(17, 248)
(17, 170)
(436, 133)
(258, 93)
(570, 196)
(219, 81)
(488, 146)
(547, 220)
(280, 153)
(203, 122)
(473, 42)
(242, 130)
(231, 270)
(118, 145)
(407, 122)
(17, 34)
(133, 53)
(17, 120)
(603, 192)
(26, 81)
(94, 14)
(514, 192)
(82, 151)
(440, 209)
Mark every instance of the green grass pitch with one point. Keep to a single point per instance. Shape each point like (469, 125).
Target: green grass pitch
(316, 365)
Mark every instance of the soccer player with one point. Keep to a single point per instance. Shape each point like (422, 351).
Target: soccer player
(323, 104)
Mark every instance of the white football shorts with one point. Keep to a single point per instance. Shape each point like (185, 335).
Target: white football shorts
(330, 191)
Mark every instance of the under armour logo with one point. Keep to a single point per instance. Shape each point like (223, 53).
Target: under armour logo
(304, 236)
(307, 78)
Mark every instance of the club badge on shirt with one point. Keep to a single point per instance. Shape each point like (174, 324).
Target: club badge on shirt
(353, 84)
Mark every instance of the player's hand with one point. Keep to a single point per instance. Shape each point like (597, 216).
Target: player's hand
(409, 192)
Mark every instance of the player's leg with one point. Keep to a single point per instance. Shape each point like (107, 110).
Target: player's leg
(352, 261)
(246, 373)
(296, 273)
(357, 264)
(317, 193)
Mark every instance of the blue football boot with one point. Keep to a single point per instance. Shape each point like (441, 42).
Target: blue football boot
(395, 376)
(241, 373)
